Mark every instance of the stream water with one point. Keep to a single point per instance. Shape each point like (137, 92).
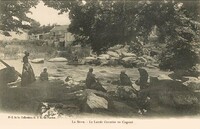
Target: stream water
(61, 70)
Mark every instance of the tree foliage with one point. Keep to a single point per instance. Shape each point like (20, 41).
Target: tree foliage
(36, 28)
(105, 23)
(13, 15)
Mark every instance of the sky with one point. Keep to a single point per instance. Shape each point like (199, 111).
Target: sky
(46, 15)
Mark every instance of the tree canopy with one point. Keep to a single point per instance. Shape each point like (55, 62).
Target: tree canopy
(36, 28)
(13, 15)
(105, 23)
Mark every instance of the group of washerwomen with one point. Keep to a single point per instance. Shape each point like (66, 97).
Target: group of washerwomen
(92, 82)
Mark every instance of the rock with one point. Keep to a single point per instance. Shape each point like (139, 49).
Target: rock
(140, 64)
(150, 66)
(142, 59)
(129, 59)
(163, 77)
(184, 99)
(104, 57)
(126, 54)
(114, 58)
(155, 65)
(123, 108)
(126, 92)
(149, 58)
(128, 65)
(172, 93)
(113, 62)
(98, 93)
(58, 59)
(104, 62)
(7, 75)
(113, 54)
(188, 78)
(38, 60)
(50, 113)
(96, 102)
(90, 60)
(193, 84)
(116, 47)
(129, 62)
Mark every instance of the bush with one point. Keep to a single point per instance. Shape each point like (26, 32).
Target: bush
(137, 48)
(180, 55)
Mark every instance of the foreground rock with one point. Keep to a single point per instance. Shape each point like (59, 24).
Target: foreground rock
(172, 93)
(96, 102)
(58, 59)
(7, 75)
(41, 91)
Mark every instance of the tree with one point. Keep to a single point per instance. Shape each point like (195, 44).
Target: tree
(13, 15)
(105, 23)
(35, 28)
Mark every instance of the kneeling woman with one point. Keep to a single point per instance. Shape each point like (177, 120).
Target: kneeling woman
(28, 75)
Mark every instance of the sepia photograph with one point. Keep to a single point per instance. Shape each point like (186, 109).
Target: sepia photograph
(100, 62)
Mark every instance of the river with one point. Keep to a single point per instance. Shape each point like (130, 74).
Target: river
(61, 70)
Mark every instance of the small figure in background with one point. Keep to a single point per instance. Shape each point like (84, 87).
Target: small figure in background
(124, 79)
(44, 76)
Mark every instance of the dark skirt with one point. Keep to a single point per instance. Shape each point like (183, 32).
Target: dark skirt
(28, 75)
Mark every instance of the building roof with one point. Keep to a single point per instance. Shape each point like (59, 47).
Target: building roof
(60, 28)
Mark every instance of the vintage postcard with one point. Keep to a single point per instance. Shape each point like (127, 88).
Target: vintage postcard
(99, 63)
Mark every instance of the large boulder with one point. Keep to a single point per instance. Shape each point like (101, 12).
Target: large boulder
(96, 102)
(7, 75)
(58, 59)
(38, 60)
(172, 93)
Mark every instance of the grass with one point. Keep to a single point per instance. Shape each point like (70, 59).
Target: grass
(38, 49)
